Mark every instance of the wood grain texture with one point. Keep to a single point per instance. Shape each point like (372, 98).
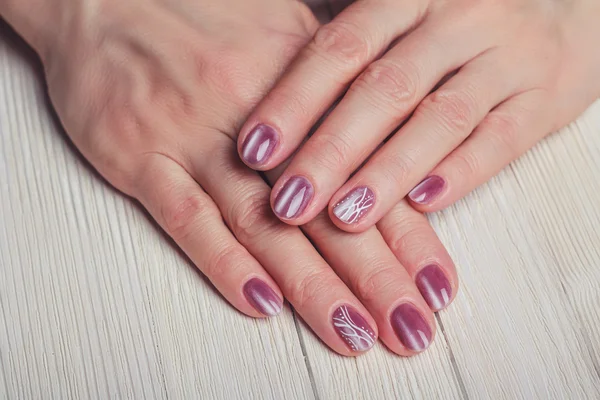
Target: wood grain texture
(96, 303)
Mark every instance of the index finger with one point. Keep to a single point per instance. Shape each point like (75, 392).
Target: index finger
(339, 51)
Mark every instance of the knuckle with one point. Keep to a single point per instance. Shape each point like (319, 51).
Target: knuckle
(410, 240)
(292, 101)
(180, 216)
(230, 81)
(467, 164)
(250, 217)
(306, 290)
(396, 169)
(331, 152)
(505, 130)
(343, 42)
(371, 284)
(393, 85)
(454, 109)
(225, 262)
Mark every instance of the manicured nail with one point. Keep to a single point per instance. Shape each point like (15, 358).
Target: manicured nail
(426, 191)
(434, 287)
(262, 297)
(355, 205)
(259, 145)
(353, 329)
(410, 327)
(293, 197)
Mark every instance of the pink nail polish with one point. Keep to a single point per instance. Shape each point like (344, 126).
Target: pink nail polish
(293, 197)
(426, 191)
(355, 205)
(434, 287)
(262, 297)
(353, 329)
(259, 145)
(410, 327)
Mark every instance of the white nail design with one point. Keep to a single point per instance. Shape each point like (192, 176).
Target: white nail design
(354, 206)
(358, 335)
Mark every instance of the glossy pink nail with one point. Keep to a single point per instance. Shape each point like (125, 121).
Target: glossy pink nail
(259, 145)
(434, 287)
(355, 205)
(353, 329)
(426, 191)
(410, 327)
(293, 197)
(262, 297)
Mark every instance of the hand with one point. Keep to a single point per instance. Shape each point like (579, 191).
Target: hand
(153, 92)
(474, 83)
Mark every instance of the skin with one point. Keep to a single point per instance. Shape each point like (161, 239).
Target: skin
(153, 94)
(472, 85)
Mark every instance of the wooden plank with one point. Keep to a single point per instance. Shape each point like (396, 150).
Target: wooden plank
(525, 324)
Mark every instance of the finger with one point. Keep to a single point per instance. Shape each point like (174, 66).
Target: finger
(191, 218)
(409, 235)
(505, 134)
(439, 124)
(321, 72)
(306, 280)
(374, 106)
(364, 261)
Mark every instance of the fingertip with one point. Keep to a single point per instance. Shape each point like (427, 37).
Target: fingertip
(257, 147)
(435, 286)
(355, 329)
(263, 299)
(414, 327)
(292, 200)
(434, 193)
(352, 212)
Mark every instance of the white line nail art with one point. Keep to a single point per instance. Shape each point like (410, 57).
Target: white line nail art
(354, 206)
(357, 334)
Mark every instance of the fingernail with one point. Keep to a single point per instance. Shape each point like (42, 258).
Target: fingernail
(355, 205)
(434, 287)
(410, 327)
(353, 328)
(293, 197)
(259, 145)
(262, 297)
(426, 191)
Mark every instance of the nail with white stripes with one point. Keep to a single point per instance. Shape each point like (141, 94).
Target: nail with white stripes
(434, 287)
(259, 145)
(411, 328)
(293, 198)
(353, 329)
(355, 205)
(262, 297)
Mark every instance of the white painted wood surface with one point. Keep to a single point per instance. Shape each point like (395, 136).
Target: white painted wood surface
(96, 303)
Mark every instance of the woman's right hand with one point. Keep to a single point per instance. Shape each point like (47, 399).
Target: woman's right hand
(153, 93)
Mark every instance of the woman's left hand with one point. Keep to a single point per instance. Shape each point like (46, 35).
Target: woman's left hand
(475, 84)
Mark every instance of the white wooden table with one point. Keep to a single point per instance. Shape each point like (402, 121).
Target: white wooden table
(95, 303)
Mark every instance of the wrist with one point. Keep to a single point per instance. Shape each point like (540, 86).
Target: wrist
(47, 24)
(32, 19)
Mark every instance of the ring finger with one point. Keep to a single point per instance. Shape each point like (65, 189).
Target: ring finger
(439, 124)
